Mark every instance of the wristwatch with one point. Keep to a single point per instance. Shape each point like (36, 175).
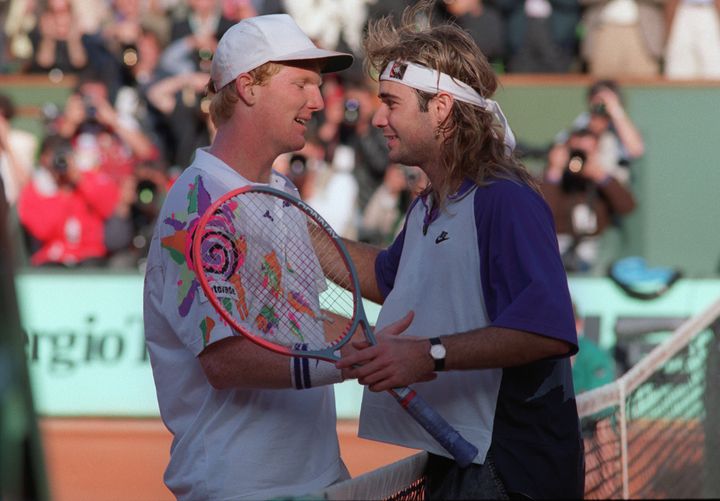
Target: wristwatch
(437, 352)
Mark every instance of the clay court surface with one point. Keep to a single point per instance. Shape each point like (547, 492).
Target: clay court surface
(124, 459)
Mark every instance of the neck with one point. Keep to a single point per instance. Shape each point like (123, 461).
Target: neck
(245, 157)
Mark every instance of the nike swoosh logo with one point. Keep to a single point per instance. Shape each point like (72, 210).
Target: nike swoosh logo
(442, 237)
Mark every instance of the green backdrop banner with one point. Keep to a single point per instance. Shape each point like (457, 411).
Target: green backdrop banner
(86, 353)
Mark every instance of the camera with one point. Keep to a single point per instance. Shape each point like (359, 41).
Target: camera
(90, 109)
(599, 109)
(130, 55)
(577, 161)
(60, 161)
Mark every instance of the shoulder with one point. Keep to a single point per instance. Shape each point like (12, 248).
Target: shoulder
(506, 192)
(505, 202)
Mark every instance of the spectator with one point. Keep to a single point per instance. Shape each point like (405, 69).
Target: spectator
(384, 214)
(584, 198)
(17, 25)
(620, 141)
(125, 49)
(592, 366)
(623, 38)
(17, 152)
(264, 7)
(335, 193)
(356, 129)
(693, 45)
(541, 35)
(57, 41)
(484, 21)
(102, 137)
(388, 8)
(128, 231)
(64, 208)
(194, 34)
(181, 101)
(331, 24)
(236, 10)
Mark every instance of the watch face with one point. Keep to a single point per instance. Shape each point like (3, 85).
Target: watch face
(437, 351)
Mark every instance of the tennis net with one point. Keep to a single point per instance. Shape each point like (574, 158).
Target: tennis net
(652, 433)
(655, 431)
(399, 481)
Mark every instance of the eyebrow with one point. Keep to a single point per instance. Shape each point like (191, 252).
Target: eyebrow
(388, 96)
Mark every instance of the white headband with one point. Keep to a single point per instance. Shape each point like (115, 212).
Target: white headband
(429, 80)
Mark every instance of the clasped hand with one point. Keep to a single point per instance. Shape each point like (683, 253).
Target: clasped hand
(393, 362)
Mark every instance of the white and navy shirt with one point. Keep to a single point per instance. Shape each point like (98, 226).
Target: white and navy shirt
(489, 258)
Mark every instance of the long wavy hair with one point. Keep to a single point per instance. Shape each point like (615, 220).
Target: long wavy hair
(474, 138)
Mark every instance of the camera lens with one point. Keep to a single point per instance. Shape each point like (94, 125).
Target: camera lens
(577, 161)
(598, 109)
(60, 163)
(130, 56)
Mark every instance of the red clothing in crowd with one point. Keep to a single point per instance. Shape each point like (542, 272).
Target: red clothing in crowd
(69, 224)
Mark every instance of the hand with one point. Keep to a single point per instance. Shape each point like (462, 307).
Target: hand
(612, 103)
(593, 169)
(47, 26)
(558, 158)
(393, 362)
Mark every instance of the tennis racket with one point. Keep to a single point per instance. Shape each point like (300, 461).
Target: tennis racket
(257, 253)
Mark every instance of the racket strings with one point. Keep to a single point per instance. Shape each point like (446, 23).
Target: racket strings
(271, 266)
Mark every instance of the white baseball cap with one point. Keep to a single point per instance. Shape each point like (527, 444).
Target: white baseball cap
(255, 41)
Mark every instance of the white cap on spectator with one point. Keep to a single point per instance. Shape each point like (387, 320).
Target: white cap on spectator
(257, 40)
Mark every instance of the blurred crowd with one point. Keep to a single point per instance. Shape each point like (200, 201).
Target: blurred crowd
(87, 191)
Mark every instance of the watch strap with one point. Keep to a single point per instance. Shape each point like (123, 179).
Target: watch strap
(439, 362)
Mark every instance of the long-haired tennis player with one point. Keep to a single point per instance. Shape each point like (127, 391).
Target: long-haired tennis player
(478, 263)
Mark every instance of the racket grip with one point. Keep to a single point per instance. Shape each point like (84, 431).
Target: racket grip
(447, 436)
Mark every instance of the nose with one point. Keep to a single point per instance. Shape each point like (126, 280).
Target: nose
(316, 102)
(379, 119)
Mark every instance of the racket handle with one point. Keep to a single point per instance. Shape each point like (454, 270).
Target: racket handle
(447, 436)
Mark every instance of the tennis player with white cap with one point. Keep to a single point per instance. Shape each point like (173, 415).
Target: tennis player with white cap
(241, 430)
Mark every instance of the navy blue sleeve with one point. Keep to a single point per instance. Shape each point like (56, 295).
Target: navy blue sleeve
(386, 264)
(523, 279)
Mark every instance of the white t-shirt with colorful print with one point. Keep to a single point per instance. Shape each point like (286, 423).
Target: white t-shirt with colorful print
(227, 444)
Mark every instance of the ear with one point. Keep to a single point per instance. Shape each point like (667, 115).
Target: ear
(441, 106)
(244, 84)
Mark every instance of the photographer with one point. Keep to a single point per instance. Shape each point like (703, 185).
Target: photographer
(102, 137)
(585, 198)
(184, 119)
(619, 141)
(63, 209)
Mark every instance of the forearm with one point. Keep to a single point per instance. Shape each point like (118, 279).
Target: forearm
(45, 56)
(236, 362)
(76, 52)
(363, 256)
(629, 135)
(493, 347)
(138, 142)
(401, 361)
